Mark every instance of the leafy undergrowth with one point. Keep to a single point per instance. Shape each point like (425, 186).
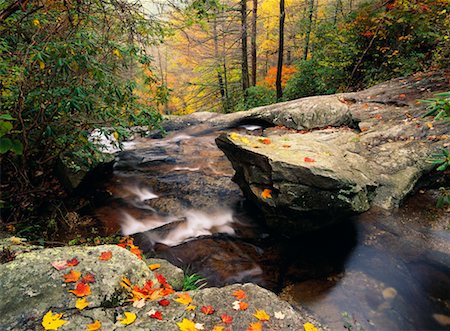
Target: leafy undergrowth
(160, 291)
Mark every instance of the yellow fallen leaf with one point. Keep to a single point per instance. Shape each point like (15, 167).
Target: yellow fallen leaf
(81, 303)
(128, 319)
(190, 308)
(36, 23)
(154, 266)
(52, 321)
(266, 194)
(309, 327)
(126, 283)
(234, 136)
(116, 135)
(184, 298)
(261, 315)
(430, 125)
(245, 140)
(218, 328)
(186, 325)
(94, 326)
(255, 326)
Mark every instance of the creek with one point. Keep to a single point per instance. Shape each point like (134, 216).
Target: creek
(387, 270)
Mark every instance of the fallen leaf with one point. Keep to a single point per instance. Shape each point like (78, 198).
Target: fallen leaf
(128, 319)
(81, 290)
(378, 116)
(52, 321)
(59, 265)
(279, 315)
(286, 146)
(266, 194)
(218, 328)
(234, 136)
(199, 326)
(73, 262)
(156, 315)
(430, 125)
(402, 96)
(240, 294)
(88, 278)
(265, 141)
(72, 276)
(255, 326)
(136, 251)
(243, 306)
(164, 302)
(190, 308)
(207, 310)
(105, 256)
(245, 140)
(309, 159)
(186, 325)
(94, 326)
(161, 279)
(226, 319)
(81, 303)
(364, 129)
(184, 298)
(139, 303)
(154, 266)
(309, 327)
(261, 315)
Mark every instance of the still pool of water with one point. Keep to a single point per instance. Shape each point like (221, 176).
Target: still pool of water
(383, 270)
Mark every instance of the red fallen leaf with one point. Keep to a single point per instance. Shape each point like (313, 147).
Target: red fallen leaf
(309, 159)
(161, 279)
(81, 290)
(402, 96)
(105, 256)
(266, 141)
(208, 310)
(226, 319)
(157, 315)
(88, 278)
(73, 262)
(239, 294)
(136, 251)
(164, 302)
(243, 306)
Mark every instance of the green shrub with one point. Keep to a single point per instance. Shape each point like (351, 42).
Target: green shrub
(259, 96)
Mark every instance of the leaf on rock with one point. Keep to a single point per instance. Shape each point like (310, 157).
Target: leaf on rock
(240, 294)
(286, 146)
(309, 327)
(88, 278)
(207, 310)
(73, 262)
(255, 326)
(81, 290)
(243, 306)
(128, 319)
(105, 256)
(139, 303)
(184, 298)
(190, 308)
(72, 276)
(226, 319)
(266, 194)
(186, 325)
(155, 314)
(52, 321)
(161, 279)
(59, 265)
(199, 326)
(81, 303)
(164, 302)
(94, 326)
(279, 315)
(309, 159)
(265, 141)
(218, 328)
(261, 315)
(154, 266)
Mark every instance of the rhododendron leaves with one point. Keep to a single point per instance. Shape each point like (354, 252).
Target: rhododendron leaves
(207, 310)
(73, 262)
(81, 290)
(240, 294)
(81, 303)
(154, 266)
(128, 319)
(309, 159)
(255, 327)
(88, 278)
(309, 327)
(266, 194)
(164, 302)
(105, 256)
(184, 298)
(186, 325)
(261, 315)
(226, 319)
(94, 326)
(72, 276)
(52, 321)
(59, 265)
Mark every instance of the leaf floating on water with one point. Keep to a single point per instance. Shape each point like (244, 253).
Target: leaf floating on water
(81, 290)
(261, 315)
(266, 194)
(72, 276)
(81, 303)
(128, 319)
(184, 298)
(309, 327)
(240, 294)
(105, 256)
(309, 159)
(94, 326)
(52, 321)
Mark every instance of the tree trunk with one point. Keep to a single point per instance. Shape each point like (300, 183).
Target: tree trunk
(280, 51)
(244, 60)
(217, 61)
(308, 29)
(253, 40)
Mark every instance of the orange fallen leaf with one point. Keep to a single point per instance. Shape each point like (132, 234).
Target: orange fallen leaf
(72, 276)
(243, 306)
(184, 298)
(265, 141)
(94, 326)
(261, 315)
(218, 328)
(81, 303)
(105, 256)
(128, 319)
(207, 310)
(240, 294)
(81, 290)
(402, 96)
(364, 129)
(73, 262)
(309, 159)
(226, 319)
(430, 125)
(286, 146)
(266, 194)
(379, 116)
(154, 266)
(255, 326)
(52, 321)
(190, 308)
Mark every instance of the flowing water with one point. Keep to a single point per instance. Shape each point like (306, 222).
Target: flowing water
(385, 270)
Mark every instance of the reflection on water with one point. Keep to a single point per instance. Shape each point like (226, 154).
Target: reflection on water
(388, 270)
